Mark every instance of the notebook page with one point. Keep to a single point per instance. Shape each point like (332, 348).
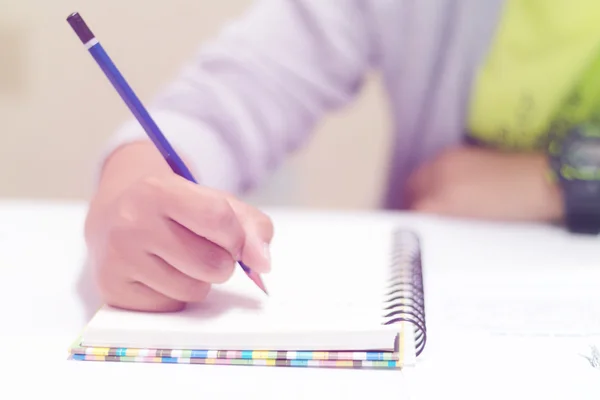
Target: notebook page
(327, 280)
(557, 303)
(518, 280)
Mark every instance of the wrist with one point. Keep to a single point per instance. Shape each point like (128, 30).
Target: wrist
(576, 162)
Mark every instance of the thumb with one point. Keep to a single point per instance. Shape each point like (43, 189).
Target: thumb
(259, 233)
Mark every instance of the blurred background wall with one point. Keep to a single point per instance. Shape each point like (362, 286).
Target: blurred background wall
(57, 109)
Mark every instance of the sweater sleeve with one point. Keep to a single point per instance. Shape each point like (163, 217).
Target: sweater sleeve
(254, 93)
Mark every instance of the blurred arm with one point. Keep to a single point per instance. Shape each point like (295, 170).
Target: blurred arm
(255, 93)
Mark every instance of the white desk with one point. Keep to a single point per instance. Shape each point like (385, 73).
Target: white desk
(42, 251)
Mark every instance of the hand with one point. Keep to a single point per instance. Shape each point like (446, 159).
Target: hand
(163, 241)
(487, 184)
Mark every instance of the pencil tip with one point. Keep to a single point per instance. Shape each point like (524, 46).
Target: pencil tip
(258, 281)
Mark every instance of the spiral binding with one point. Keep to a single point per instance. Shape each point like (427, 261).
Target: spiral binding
(405, 300)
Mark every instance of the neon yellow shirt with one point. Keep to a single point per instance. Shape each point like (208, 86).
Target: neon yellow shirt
(542, 74)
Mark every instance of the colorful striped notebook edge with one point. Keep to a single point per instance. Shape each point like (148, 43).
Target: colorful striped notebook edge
(77, 349)
(356, 364)
(322, 359)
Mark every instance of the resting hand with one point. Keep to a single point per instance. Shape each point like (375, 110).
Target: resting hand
(486, 184)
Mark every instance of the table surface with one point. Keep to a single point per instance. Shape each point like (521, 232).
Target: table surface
(42, 252)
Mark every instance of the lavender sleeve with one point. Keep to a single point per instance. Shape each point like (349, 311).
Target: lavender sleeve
(253, 94)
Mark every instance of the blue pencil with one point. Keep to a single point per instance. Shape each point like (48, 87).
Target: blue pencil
(139, 111)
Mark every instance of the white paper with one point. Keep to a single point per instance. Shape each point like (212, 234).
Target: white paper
(513, 283)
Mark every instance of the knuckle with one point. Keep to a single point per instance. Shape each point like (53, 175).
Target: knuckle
(221, 269)
(147, 193)
(225, 271)
(128, 226)
(224, 219)
(213, 256)
(194, 291)
(222, 214)
(212, 263)
(150, 185)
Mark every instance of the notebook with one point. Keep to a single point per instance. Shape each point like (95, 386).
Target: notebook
(341, 294)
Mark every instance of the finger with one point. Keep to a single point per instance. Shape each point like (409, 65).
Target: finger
(139, 297)
(130, 295)
(170, 282)
(190, 254)
(259, 233)
(203, 211)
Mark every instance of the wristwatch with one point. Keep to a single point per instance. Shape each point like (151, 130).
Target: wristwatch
(575, 160)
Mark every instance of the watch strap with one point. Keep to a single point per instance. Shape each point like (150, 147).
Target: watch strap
(581, 215)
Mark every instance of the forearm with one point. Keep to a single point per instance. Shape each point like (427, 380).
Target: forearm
(250, 98)
(259, 95)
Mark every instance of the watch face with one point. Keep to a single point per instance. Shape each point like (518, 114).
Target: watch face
(584, 154)
(580, 158)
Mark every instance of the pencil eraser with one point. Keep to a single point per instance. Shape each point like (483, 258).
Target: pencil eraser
(80, 27)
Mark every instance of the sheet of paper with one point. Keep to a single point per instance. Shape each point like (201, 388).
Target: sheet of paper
(516, 280)
(324, 293)
(324, 287)
(477, 366)
(592, 355)
(529, 304)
